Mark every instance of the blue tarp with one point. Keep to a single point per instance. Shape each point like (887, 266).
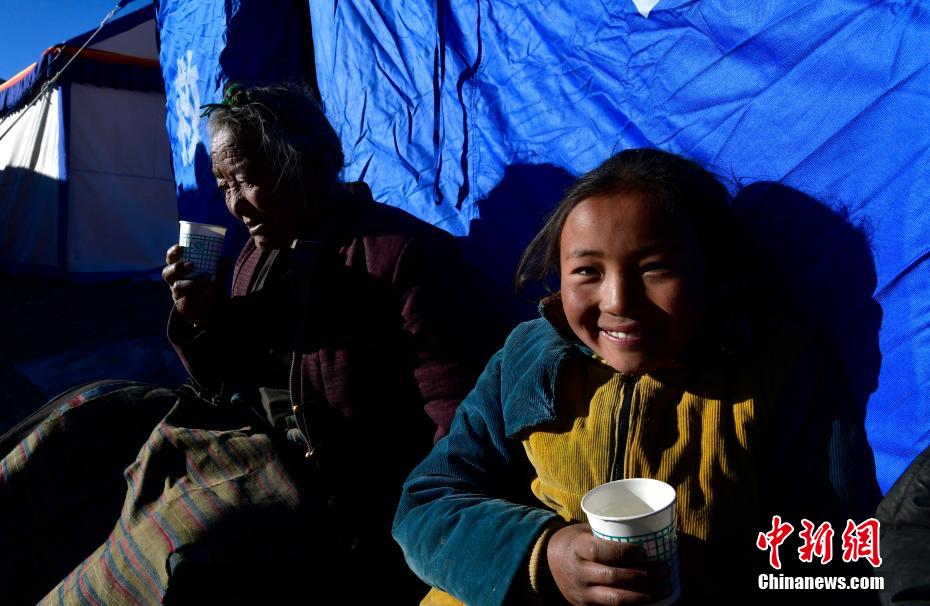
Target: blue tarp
(469, 113)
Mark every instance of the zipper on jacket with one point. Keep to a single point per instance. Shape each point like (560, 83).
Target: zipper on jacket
(299, 414)
(623, 427)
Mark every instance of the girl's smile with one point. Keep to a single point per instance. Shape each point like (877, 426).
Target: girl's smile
(632, 281)
(631, 335)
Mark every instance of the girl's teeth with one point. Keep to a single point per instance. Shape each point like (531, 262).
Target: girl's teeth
(621, 335)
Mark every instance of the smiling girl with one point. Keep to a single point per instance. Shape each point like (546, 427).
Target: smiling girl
(647, 362)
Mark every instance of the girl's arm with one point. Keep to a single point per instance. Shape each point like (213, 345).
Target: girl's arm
(459, 521)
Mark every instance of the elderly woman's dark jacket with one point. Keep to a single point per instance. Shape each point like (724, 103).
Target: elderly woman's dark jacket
(904, 514)
(374, 332)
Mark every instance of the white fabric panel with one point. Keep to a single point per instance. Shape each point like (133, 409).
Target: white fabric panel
(33, 141)
(29, 183)
(138, 41)
(122, 210)
(118, 223)
(120, 131)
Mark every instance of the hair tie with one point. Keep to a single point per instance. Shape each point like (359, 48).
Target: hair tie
(233, 96)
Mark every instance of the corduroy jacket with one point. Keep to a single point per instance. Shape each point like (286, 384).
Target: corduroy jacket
(468, 522)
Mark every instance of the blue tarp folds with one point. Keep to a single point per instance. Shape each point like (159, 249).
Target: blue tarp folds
(442, 106)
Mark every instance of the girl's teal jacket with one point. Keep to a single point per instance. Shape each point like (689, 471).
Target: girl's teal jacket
(467, 520)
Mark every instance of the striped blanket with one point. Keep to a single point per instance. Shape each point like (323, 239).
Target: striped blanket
(97, 507)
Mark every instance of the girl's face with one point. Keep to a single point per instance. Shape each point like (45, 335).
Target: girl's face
(632, 281)
(253, 195)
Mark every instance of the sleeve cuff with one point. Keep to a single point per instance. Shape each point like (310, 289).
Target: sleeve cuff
(180, 331)
(541, 583)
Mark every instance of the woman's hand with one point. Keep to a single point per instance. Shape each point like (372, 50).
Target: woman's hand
(194, 298)
(588, 570)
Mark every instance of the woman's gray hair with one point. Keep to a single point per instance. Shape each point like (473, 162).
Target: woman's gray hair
(287, 123)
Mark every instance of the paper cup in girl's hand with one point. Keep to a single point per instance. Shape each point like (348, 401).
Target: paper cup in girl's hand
(641, 511)
(201, 245)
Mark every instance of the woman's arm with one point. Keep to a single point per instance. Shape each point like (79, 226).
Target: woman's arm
(221, 339)
(231, 348)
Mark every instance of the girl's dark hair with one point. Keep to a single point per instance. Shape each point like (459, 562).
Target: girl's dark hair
(676, 183)
(287, 123)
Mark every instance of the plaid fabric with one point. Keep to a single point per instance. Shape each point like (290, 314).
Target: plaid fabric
(89, 518)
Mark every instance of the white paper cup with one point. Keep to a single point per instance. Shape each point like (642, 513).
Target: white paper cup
(201, 245)
(642, 511)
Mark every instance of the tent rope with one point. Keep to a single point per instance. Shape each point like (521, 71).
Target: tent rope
(51, 81)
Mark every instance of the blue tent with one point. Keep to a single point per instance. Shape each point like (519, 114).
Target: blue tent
(457, 111)
(474, 115)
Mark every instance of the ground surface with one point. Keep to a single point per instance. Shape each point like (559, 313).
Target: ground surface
(55, 335)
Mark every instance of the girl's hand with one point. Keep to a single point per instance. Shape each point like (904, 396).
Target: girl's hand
(588, 570)
(194, 298)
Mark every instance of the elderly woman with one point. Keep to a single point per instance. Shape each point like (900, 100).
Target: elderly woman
(340, 356)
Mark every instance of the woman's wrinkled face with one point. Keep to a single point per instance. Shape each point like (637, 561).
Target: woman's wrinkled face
(270, 210)
(632, 281)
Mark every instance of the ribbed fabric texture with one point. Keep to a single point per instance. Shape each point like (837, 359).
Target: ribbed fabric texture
(740, 436)
(438, 597)
(540, 580)
(699, 445)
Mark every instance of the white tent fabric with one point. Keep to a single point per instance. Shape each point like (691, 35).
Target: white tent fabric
(86, 182)
(30, 170)
(137, 41)
(122, 212)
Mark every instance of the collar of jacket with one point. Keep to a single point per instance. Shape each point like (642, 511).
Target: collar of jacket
(531, 360)
(350, 200)
(533, 357)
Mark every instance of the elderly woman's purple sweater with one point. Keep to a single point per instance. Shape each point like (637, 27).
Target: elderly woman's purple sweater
(375, 333)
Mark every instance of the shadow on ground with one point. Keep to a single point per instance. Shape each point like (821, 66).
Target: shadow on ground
(55, 335)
